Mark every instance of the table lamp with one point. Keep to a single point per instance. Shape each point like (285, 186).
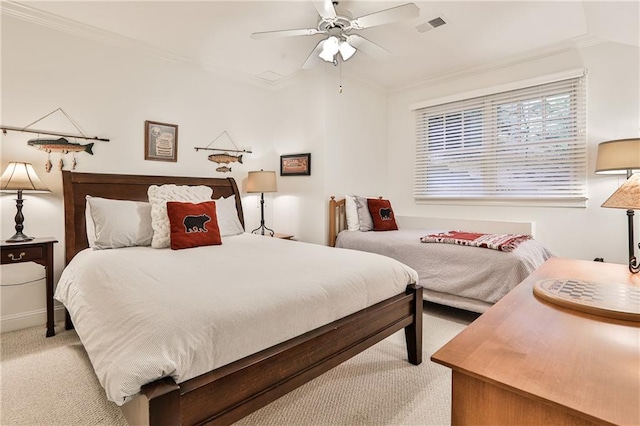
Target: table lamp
(619, 157)
(262, 182)
(20, 177)
(627, 197)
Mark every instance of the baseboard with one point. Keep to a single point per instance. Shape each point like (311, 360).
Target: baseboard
(29, 319)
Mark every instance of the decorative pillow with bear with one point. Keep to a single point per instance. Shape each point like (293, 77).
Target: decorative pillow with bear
(193, 225)
(382, 215)
(159, 196)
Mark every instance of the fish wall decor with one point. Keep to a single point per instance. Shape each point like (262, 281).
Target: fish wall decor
(225, 158)
(62, 146)
(222, 156)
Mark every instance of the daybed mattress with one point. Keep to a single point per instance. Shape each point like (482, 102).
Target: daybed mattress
(144, 313)
(466, 277)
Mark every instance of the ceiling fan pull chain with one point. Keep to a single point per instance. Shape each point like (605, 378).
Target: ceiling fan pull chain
(340, 87)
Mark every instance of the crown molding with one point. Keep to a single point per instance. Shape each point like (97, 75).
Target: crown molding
(36, 16)
(576, 43)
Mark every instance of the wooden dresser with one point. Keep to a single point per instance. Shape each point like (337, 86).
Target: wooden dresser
(529, 362)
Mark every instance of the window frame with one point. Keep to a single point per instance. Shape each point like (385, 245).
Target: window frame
(486, 103)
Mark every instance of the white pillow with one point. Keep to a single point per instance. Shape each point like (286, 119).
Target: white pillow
(364, 215)
(158, 197)
(120, 223)
(351, 211)
(227, 214)
(90, 226)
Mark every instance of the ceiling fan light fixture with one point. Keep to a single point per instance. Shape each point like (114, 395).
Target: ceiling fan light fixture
(346, 50)
(329, 49)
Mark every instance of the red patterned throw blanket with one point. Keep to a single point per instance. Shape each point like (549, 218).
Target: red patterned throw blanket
(502, 242)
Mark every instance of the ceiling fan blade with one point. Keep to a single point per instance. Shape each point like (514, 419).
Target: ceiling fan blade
(313, 59)
(405, 11)
(284, 33)
(367, 47)
(325, 8)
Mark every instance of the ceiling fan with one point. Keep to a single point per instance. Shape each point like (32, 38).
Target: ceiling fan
(338, 25)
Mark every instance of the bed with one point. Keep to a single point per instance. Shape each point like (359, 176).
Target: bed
(463, 277)
(237, 387)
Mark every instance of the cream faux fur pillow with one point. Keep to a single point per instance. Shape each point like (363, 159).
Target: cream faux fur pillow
(158, 197)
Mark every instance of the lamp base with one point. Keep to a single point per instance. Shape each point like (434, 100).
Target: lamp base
(634, 266)
(260, 230)
(19, 237)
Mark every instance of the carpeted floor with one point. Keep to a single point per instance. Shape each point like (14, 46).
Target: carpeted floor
(49, 381)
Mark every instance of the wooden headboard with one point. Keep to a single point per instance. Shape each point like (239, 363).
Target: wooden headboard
(337, 219)
(76, 186)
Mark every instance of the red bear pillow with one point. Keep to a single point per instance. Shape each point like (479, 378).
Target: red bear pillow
(382, 215)
(193, 225)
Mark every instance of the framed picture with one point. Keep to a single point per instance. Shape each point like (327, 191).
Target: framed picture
(295, 165)
(160, 141)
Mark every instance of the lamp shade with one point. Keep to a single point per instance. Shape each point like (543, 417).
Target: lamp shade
(346, 50)
(21, 177)
(262, 182)
(329, 49)
(618, 156)
(627, 196)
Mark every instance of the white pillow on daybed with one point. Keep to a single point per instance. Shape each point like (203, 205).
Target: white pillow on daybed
(351, 210)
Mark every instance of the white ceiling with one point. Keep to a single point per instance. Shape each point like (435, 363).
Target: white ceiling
(216, 34)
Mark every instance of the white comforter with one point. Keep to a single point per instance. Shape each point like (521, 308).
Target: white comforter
(476, 276)
(145, 313)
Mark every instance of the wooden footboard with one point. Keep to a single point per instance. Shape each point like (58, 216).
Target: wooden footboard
(229, 393)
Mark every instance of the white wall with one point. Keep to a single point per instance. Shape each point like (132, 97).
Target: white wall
(613, 112)
(345, 132)
(110, 91)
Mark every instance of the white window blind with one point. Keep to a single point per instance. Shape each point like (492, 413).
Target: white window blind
(524, 144)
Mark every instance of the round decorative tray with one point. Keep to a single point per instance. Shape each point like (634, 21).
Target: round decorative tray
(611, 300)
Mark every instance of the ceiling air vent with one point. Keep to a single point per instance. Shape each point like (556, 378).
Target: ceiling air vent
(429, 25)
(270, 76)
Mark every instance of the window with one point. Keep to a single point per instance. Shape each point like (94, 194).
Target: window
(514, 145)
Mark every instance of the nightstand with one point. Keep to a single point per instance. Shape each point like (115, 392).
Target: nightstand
(40, 251)
(283, 236)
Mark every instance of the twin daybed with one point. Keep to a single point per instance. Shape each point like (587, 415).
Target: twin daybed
(212, 333)
(464, 277)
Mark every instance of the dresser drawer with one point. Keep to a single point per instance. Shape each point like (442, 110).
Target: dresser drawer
(21, 254)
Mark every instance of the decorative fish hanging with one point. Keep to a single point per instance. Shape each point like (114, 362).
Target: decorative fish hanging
(62, 146)
(225, 158)
(222, 156)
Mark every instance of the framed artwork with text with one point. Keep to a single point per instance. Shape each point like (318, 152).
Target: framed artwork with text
(295, 165)
(160, 141)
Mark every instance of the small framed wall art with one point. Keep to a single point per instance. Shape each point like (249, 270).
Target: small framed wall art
(160, 141)
(295, 165)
